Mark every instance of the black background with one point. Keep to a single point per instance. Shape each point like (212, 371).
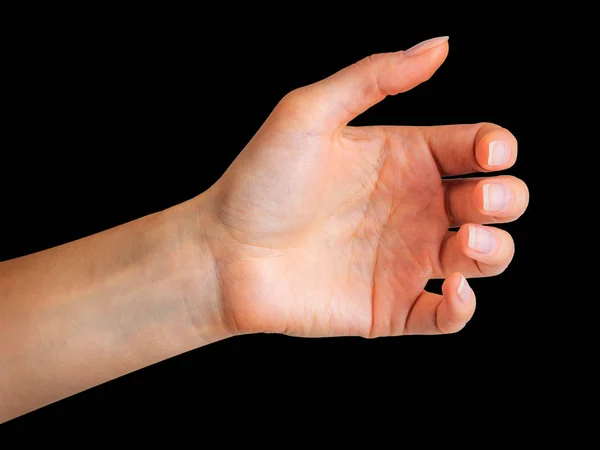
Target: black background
(114, 115)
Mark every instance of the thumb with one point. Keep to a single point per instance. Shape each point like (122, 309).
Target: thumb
(333, 102)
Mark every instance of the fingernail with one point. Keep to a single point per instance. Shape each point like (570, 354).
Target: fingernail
(496, 197)
(425, 45)
(499, 153)
(481, 240)
(464, 291)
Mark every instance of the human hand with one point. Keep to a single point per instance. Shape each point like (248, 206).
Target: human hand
(322, 229)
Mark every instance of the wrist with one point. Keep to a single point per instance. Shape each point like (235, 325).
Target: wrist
(191, 234)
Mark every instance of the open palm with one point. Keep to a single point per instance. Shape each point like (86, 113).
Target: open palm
(329, 229)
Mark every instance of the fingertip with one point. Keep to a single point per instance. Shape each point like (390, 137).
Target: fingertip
(496, 150)
(492, 248)
(477, 241)
(503, 198)
(458, 305)
(418, 64)
(427, 45)
(456, 290)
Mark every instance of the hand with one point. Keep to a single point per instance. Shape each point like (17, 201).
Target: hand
(325, 229)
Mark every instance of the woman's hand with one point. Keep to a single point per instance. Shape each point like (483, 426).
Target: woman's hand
(316, 229)
(320, 229)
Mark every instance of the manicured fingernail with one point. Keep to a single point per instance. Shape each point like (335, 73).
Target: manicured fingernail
(481, 240)
(422, 47)
(496, 197)
(464, 291)
(499, 153)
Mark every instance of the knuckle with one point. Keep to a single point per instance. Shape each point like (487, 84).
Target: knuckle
(292, 98)
(294, 104)
(370, 66)
(372, 59)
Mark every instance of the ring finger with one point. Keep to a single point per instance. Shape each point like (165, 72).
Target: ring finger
(475, 251)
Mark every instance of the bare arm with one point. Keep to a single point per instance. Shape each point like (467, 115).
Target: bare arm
(86, 312)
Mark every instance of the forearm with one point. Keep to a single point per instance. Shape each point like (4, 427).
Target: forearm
(86, 312)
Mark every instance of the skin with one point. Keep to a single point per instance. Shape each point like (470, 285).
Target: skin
(316, 229)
